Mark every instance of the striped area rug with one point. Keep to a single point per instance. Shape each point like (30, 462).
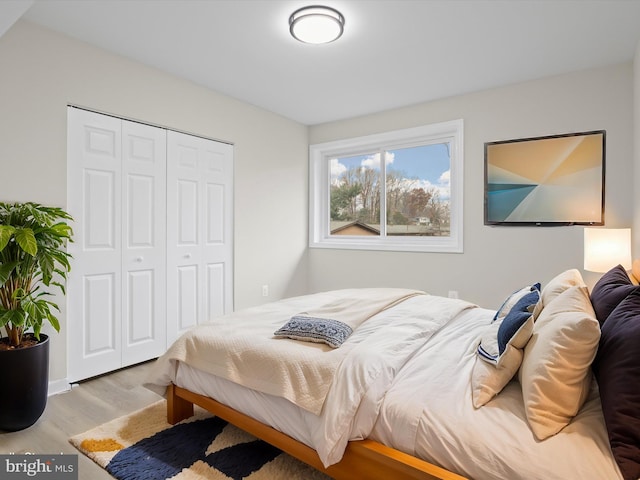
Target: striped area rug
(143, 445)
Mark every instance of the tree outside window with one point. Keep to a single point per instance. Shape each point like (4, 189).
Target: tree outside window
(416, 193)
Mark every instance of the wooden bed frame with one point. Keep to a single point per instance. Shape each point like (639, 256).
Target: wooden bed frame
(362, 459)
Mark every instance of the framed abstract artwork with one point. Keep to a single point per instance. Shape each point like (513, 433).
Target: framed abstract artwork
(546, 181)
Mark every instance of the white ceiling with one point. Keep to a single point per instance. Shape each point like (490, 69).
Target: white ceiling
(393, 52)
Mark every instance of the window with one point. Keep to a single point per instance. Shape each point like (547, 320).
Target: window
(398, 190)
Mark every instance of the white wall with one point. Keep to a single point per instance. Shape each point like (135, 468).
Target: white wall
(43, 71)
(496, 260)
(636, 170)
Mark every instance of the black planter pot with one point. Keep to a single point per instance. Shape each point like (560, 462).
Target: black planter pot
(25, 383)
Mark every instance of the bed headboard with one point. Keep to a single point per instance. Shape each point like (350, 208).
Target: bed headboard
(635, 271)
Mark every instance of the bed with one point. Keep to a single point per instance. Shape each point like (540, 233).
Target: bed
(428, 387)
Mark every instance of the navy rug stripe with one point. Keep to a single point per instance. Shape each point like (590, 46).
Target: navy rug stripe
(166, 453)
(239, 461)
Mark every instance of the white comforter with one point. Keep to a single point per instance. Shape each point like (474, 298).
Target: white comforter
(375, 352)
(423, 406)
(241, 347)
(428, 412)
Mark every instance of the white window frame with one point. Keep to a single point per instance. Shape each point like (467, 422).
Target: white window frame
(319, 188)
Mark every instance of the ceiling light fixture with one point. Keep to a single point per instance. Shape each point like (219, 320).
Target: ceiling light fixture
(316, 24)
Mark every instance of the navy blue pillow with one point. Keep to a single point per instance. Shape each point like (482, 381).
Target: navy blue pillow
(516, 317)
(512, 299)
(609, 291)
(518, 308)
(617, 370)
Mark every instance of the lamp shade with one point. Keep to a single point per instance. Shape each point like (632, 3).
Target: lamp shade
(316, 24)
(604, 248)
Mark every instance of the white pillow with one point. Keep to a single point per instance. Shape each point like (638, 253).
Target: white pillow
(500, 351)
(488, 379)
(560, 283)
(555, 373)
(557, 285)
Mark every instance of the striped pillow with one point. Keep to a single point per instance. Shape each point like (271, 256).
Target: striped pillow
(499, 353)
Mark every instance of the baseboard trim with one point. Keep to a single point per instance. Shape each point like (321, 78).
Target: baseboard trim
(59, 386)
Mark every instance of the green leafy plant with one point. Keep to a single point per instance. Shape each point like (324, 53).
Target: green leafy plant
(33, 255)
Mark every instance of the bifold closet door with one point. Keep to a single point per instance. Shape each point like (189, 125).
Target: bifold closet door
(144, 249)
(199, 231)
(116, 291)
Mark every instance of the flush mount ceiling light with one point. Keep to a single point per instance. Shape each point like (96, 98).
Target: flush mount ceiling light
(316, 24)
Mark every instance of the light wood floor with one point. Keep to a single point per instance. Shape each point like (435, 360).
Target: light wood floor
(87, 405)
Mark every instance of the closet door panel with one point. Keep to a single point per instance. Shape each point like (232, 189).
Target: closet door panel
(187, 213)
(215, 214)
(188, 296)
(140, 193)
(99, 214)
(218, 221)
(140, 305)
(184, 277)
(94, 285)
(216, 290)
(199, 235)
(144, 247)
(184, 285)
(100, 316)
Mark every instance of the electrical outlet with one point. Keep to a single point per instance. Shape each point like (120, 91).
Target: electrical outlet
(265, 290)
(453, 294)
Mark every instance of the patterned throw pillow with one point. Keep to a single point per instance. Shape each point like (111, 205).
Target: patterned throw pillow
(316, 330)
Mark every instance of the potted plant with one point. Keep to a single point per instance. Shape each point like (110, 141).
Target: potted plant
(33, 263)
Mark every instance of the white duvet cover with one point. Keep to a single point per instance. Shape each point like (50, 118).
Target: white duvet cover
(374, 353)
(241, 347)
(428, 412)
(422, 405)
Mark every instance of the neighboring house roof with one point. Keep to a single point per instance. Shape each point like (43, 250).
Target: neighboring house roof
(353, 228)
(360, 228)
